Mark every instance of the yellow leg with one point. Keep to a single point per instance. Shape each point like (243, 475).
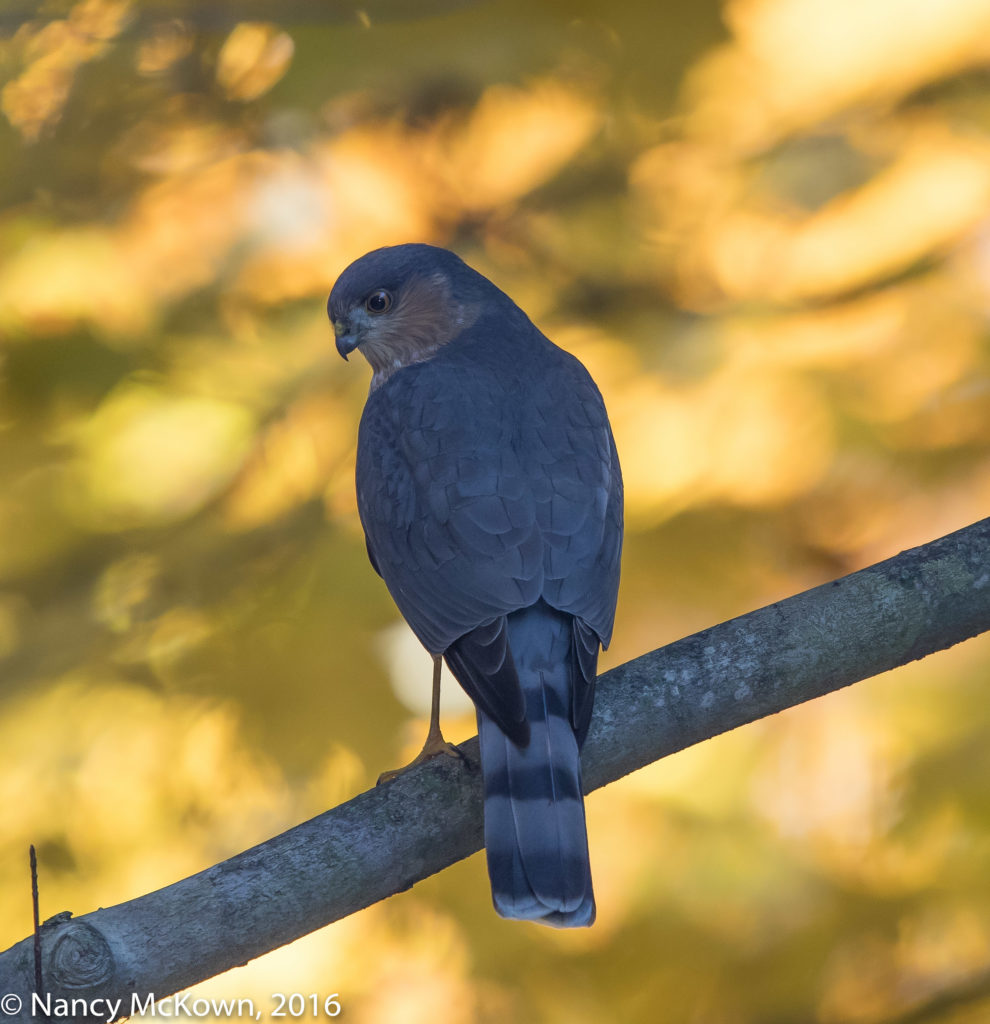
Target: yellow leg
(435, 743)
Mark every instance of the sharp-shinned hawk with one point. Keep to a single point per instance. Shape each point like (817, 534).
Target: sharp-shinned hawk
(491, 498)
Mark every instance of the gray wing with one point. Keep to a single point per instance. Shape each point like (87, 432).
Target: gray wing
(483, 486)
(580, 511)
(581, 522)
(448, 515)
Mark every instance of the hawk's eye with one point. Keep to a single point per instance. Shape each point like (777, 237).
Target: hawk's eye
(378, 302)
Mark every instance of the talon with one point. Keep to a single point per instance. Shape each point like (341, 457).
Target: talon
(434, 747)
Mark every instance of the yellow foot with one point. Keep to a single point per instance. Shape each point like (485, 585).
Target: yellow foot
(435, 746)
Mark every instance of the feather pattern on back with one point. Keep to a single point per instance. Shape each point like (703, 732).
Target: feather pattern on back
(490, 493)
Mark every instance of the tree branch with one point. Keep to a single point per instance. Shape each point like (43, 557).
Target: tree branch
(385, 840)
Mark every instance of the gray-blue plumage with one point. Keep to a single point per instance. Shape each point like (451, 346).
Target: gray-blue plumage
(535, 832)
(491, 498)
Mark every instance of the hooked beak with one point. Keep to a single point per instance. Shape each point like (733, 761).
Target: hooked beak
(347, 339)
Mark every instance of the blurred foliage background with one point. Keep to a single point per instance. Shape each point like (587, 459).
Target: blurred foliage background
(765, 227)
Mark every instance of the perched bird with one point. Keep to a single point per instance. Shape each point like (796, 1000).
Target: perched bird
(491, 498)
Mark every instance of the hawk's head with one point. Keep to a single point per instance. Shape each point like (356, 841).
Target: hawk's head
(400, 304)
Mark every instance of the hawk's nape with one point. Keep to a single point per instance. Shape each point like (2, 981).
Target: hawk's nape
(491, 498)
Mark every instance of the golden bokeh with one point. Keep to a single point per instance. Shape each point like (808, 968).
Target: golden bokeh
(764, 226)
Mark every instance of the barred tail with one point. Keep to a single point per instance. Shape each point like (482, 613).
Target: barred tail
(535, 832)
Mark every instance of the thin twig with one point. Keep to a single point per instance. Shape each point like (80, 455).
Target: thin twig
(37, 922)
